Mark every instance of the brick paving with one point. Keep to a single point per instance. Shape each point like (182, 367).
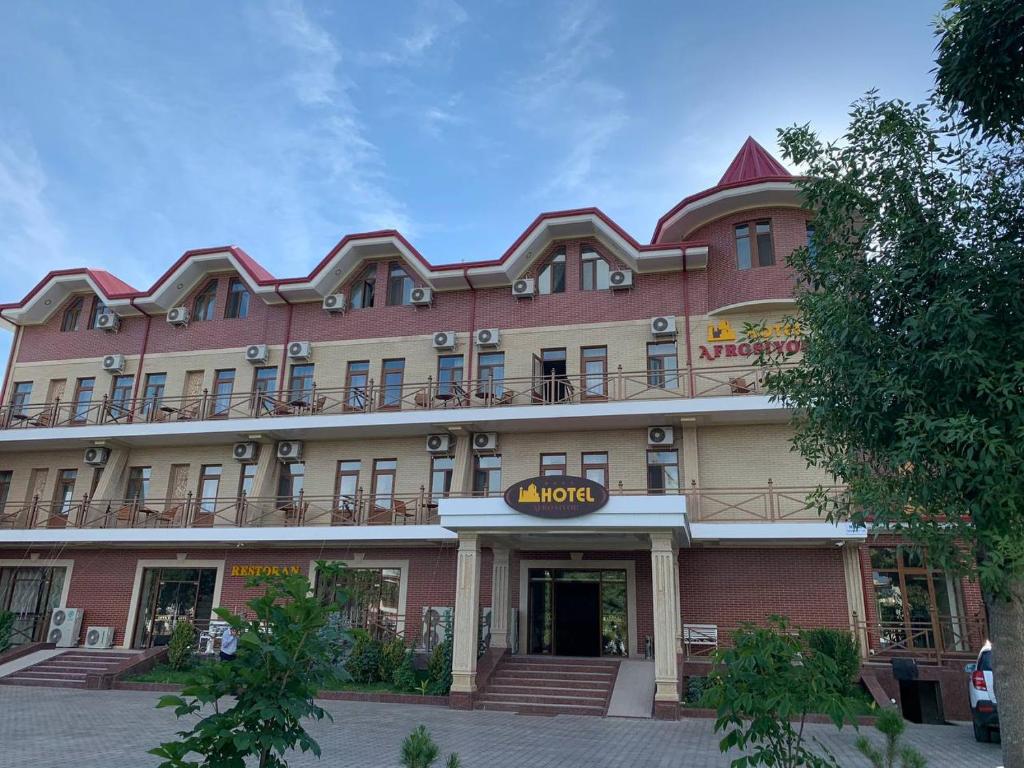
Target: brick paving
(53, 728)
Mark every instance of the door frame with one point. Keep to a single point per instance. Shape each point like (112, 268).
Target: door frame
(67, 565)
(629, 566)
(142, 565)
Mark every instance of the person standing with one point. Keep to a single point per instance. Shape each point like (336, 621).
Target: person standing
(229, 645)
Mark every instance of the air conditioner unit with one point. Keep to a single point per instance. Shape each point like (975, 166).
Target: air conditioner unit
(113, 363)
(257, 353)
(108, 321)
(439, 443)
(96, 456)
(334, 303)
(300, 350)
(99, 637)
(289, 450)
(663, 326)
(444, 340)
(524, 288)
(422, 297)
(178, 316)
(619, 279)
(485, 441)
(488, 337)
(660, 436)
(65, 625)
(245, 451)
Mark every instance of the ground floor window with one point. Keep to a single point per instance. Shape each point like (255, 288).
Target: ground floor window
(578, 612)
(170, 595)
(30, 593)
(371, 597)
(917, 606)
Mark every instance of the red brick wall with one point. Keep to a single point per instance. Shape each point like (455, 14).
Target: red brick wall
(48, 342)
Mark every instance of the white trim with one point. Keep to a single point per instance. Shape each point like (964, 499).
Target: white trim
(811, 530)
(403, 584)
(629, 566)
(727, 201)
(141, 565)
(311, 534)
(67, 565)
(743, 306)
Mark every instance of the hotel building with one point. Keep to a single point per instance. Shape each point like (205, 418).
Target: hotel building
(157, 446)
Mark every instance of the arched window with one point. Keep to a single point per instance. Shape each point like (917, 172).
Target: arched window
(594, 271)
(552, 278)
(98, 308)
(400, 286)
(206, 302)
(363, 289)
(238, 300)
(74, 311)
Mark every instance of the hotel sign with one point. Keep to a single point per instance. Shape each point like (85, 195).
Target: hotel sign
(778, 338)
(265, 570)
(556, 496)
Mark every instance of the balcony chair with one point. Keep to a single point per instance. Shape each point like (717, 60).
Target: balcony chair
(701, 638)
(421, 398)
(739, 386)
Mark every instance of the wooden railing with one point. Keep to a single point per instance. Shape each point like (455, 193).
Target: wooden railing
(768, 503)
(618, 385)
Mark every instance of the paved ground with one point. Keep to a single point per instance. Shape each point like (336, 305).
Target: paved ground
(52, 728)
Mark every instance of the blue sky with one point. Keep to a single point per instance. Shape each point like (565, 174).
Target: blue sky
(132, 132)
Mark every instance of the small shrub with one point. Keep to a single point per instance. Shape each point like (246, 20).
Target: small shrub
(336, 635)
(840, 646)
(392, 654)
(364, 662)
(404, 678)
(891, 724)
(420, 751)
(181, 647)
(6, 629)
(695, 687)
(439, 669)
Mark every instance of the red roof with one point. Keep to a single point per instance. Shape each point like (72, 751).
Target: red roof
(110, 284)
(752, 162)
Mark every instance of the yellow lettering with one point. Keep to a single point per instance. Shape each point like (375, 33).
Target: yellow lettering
(589, 493)
(545, 494)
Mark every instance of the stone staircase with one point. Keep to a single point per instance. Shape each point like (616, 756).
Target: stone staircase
(544, 685)
(67, 669)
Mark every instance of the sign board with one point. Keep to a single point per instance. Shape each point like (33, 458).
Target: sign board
(264, 570)
(556, 496)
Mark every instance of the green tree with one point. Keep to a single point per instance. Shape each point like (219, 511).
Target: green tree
(911, 386)
(980, 58)
(6, 629)
(891, 725)
(181, 646)
(284, 658)
(420, 751)
(768, 679)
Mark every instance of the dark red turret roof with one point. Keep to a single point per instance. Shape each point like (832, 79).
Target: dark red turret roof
(752, 162)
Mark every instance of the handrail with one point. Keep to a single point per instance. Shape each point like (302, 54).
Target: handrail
(484, 392)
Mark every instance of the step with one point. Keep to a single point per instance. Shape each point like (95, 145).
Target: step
(541, 674)
(44, 675)
(540, 709)
(560, 664)
(19, 680)
(491, 697)
(502, 686)
(59, 662)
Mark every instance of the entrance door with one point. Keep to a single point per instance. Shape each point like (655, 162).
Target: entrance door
(30, 593)
(578, 618)
(170, 595)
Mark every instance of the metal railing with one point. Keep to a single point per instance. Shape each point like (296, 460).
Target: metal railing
(489, 392)
(768, 503)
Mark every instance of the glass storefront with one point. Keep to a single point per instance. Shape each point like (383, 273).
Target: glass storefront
(30, 593)
(170, 595)
(372, 596)
(578, 612)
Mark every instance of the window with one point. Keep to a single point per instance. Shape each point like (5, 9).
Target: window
(120, 396)
(5, 487)
(373, 596)
(289, 484)
(357, 379)
(552, 464)
(209, 488)
(205, 304)
(83, 400)
(550, 380)
(594, 274)
(391, 375)
(662, 365)
(300, 388)
(492, 375)
(449, 376)
(441, 469)
(552, 277)
(594, 364)
(98, 308)
(486, 475)
(595, 467)
(264, 384)
(246, 480)
(383, 483)
(812, 250)
(223, 385)
(64, 493)
(662, 471)
(71, 315)
(346, 485)
(137, 489)
(238, 300)
(756, 249)
(400, 286)
(20, 397)
(153, 396)
(363, 289)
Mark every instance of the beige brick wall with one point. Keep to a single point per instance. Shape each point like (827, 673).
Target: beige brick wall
(747, 456)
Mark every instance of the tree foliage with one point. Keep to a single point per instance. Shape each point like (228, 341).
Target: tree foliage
(891, 725)
(181, 646)
(283, 660)
(419, 750)
(980, 58)
(6, 629)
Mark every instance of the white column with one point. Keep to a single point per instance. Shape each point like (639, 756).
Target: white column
(855, 595)
(462, 468)
(678, 612)
(467, 614)
(666, 609)
(500, 598)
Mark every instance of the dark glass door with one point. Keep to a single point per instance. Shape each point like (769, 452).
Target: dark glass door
(578, 618)
(170, 595)
(31, 594)
(577, 612)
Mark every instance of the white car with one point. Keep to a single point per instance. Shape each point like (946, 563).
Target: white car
(984, 711)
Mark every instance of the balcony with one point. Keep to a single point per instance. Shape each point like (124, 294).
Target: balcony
(444, 399)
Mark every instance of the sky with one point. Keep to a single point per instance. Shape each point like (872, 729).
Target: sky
(132, 132)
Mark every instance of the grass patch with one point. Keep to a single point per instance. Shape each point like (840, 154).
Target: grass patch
(163, 673)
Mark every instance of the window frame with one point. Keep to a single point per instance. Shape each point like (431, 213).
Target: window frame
(72, 315)
(263, 397)
(243, 475)
(490, 385)
(753, 237)
(220, 403)
(236, 307)
(80, 410)
(447, 474)
(366, 279)
(97, 308)
(664, 488)
(555, 468)
(340, 473)
(121, 387)
(486, 473)
(204, 303)
(138, 482)
(21, 399)
(357, 396)
(667, 375)
(559, 259)
(388, 401)
(589, 269)
(601, 466)
(293, 377)
(376, 473)
(585, 389)
(453, 386)
(399, 279)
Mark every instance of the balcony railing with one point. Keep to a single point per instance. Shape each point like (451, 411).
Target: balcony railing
(371, 397)
(768, 503)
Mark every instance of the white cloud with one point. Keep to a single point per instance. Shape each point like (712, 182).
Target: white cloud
(31, 240)
(433, 22)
